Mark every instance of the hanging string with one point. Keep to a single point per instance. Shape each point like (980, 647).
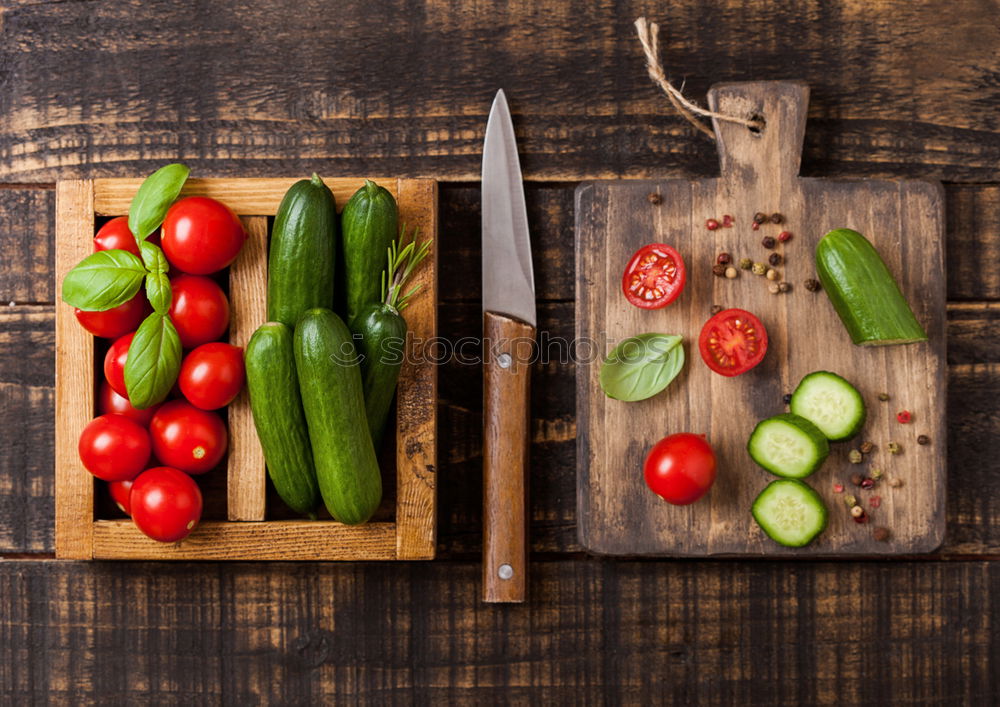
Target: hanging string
(649, 36)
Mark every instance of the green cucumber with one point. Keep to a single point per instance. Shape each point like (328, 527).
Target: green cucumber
(278, 416)
(790, 512)
(303, 253)
(380, 334)
(831, 403)
(332, 396)
(369, 225)
(788, 445)
(863, 291)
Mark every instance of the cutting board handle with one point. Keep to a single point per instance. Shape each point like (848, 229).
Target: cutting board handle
(774, 151)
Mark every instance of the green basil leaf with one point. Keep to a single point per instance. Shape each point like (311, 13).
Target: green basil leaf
(158, 292)
(154, 360)
(153, 257)
(154, 197)
(642, 366)
(103, 280)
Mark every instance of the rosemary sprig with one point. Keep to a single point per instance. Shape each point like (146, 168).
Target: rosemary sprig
(401, 264)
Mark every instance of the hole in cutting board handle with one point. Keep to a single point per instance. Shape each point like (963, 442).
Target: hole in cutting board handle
(763, 124)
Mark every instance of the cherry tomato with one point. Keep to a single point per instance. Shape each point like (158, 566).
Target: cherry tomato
(185, 437)
(201, 235)
(680, 468)
(112, 323)
(114, 363)
(114, 448)
(199, 310)
(166, 504)
(108, 401)
(120, 492)
(115, 235)
(654, 276)
(732, 342)
(212, 375)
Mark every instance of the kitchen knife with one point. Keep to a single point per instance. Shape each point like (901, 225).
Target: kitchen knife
(508, 346)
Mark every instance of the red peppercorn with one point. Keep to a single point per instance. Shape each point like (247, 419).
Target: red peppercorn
(868, 483)
(755, 226)
(838, 488)
(863, 518)
(903, 417)
(875, 501)
(711, 224)
(724, 259)
(881, 534)
(784, 236)
(719, 270)
(727, 220)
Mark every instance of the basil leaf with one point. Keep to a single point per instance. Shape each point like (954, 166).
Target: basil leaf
(154, 360)
(157, 283)
(157, 193)
(103, 280)
(153, 257)
(642, 366)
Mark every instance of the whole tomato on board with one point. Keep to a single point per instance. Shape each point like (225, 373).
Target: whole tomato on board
(114, 363)
(201, 236)
(120, 493)
(654, 277)
(188, 438)
(165, 504)
(680, 468)
(199, 310)
(114, 448)
(115, 322)
(732, 342)
(108, 401)
(212, 375)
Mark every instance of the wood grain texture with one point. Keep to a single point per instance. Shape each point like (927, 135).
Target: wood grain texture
(416, 393)
(508, 353)
(246, 473)
(27, 258)
(759, 172)
(712, 633)
(74, 398)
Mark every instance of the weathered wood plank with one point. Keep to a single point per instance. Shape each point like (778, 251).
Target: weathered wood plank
(27, 255)
(98, 90)
(598, 632)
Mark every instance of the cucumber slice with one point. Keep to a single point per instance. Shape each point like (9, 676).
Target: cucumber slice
(831, 403)
(788, 445)
(790, 512)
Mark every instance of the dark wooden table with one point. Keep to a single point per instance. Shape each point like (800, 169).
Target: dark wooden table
(899, 89)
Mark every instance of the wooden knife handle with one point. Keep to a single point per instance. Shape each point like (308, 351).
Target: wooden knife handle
(508, 345)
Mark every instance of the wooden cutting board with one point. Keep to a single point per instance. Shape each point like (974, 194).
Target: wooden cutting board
(617, 514)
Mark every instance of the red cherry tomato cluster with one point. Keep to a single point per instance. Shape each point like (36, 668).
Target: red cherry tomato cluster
(148, 456)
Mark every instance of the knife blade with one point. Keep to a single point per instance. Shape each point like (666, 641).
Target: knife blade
(508, 347)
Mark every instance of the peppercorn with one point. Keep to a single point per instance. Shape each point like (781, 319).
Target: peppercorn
(838, 488)
(875, 501)
(786, 398)
(784, 287)
(655, 199)
(716, 308)
(850, 501)
(876, 474)
(723, 258)
(777, 218)
(719, 270)
(867, 447)
(894, 448)
(895, 482)
(856, 479)
(755, 226)
(883, 397)
(772, 274)
(746, 263)
(903, 417)
(812, 285)
(768, 242)
(711, 224)
(759, 217)
(881, 534)
(774, 259)
(863, 518)
(727, 220)
(758, 268)
(854, 456)
(923, 439)
(732, 272)
(772, 287)
(785, 236)
(868, 484)
(857, 512)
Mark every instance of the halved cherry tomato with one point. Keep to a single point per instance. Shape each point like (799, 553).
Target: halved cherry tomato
(112, 323)
(680, 468)
(654, 276)
(185, 437)
(120, 492)
(199, 310)
(201, 235)
(212, 375)
(108, 401)
(165, 503)
(113, 448)
(732, 342)
(114, 363)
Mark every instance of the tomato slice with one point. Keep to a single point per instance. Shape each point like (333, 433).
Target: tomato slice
(732, 342)
(654, 276)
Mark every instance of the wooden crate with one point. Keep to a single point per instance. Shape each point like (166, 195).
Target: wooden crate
(246, 535)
